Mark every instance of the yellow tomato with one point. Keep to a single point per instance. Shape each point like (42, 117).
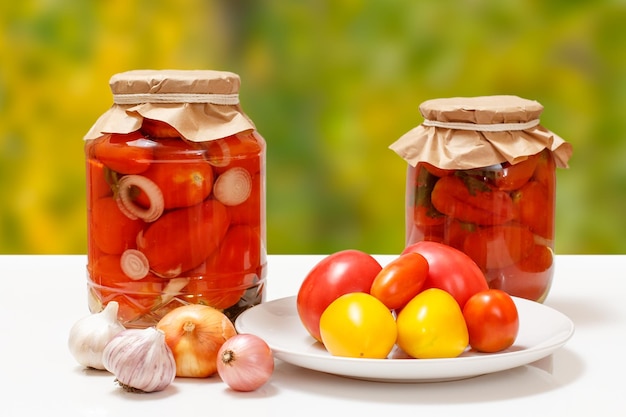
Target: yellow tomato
(358, 325)
(431, 325)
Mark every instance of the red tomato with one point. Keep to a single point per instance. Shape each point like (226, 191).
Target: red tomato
(226, 275)
(124, 153)
(499, 246)
(182, 239)
(512, 177)
(239, 150)
(337, 274)
(492, 321)
(185, 182)
(111, 230)
(535, 208)
(400, 280)
(530, 278)
(135, 298)
(450, 269)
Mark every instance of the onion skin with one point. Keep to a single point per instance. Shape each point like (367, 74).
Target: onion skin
(195, 333)
(245, 362)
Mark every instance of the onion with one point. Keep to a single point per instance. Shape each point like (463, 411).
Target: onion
(195, 333)
(152, 191)
(233, 187)
(245, 362)
(134, 264)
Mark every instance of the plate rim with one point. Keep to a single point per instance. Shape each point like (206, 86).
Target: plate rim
(493, 361)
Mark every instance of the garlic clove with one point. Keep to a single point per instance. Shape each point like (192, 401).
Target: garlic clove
(89, 335)
(140, 360)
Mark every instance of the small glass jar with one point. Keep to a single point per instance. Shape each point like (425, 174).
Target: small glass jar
(482, 179)
(175, 198)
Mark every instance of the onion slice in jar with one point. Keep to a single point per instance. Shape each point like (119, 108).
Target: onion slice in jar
(233, 187)
(134, 264)
(152, 191)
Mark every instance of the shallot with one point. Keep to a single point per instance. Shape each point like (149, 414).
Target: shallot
(245, 362)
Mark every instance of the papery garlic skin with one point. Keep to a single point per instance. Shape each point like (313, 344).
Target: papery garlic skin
(89, 335)
(140, 360)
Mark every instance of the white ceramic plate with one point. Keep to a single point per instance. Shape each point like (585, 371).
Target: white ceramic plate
(542, 331)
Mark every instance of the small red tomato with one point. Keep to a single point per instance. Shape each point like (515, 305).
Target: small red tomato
(337, 274)
(492, 321)
(124, 153)
(400, 280)
(450, 270)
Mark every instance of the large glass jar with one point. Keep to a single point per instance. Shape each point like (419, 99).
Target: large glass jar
(175, 197)
(482, 179)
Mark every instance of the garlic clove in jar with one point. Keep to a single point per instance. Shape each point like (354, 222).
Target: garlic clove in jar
(140, 360)
(89, 335)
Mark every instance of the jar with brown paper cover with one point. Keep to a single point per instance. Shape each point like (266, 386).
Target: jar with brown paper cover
(482, 178)
(175, 197)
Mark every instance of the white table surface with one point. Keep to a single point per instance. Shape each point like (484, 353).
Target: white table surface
(42, 296)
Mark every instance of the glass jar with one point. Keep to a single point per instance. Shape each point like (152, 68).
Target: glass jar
(175, 198)
(482, 179)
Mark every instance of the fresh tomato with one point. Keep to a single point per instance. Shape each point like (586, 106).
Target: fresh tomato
(124, 153)
(450, 269)
(400, 280)
(492, 321)
(358, 325)
(431, 325)
(337, 274)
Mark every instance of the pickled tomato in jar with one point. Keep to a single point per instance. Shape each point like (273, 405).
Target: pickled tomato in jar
(502, 216)
(481, 178)
(174, 220)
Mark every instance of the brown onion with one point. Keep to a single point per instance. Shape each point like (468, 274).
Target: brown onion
(195, 333)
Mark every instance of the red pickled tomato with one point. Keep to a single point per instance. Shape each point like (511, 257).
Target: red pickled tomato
(111, 230)
(124, 153)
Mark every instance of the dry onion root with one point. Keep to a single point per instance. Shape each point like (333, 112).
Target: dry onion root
(152, 191)
(233, 187)
(134, 264)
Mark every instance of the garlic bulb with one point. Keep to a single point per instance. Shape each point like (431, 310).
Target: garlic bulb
(140, 360)
(89, 335)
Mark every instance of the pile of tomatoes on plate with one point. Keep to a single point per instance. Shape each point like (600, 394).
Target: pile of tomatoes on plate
(432, 301)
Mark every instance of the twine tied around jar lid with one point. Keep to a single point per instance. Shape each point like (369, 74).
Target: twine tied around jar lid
(475, 132)
(201, 105)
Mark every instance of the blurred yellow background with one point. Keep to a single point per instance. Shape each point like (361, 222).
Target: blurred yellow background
(330, 85)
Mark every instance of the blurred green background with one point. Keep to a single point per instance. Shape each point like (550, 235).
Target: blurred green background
(330, 85)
